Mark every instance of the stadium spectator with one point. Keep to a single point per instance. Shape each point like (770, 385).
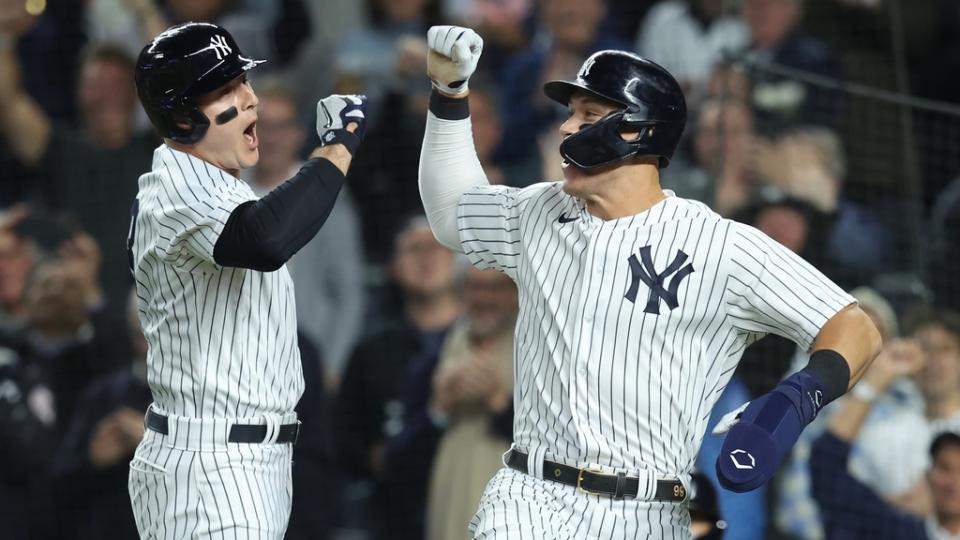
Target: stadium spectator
(717, 170)
(93, 171)
(382, 53)
(68, 344)
(488, 135)
(853, 509)
(91, 466)
(809, 163)
(383, 176)
(506, 27)
(272, 30)
(624, 17)
(369, 407)
(777, 37)
(570, 31)
(688, 38)
(328, 273)
(27, 446)
(318, 502)
(17, 256)
(472, 398)
(893, 455)
(945, 247)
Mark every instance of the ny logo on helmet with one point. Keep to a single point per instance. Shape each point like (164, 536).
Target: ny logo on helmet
(587, 66)
(219, 46)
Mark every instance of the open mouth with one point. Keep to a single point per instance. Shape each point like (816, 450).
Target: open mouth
(250, 134)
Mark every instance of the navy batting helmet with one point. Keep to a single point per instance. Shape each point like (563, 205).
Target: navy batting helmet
(181, 64)
(653, 106)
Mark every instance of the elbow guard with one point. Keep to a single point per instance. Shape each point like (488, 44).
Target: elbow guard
(755, 446)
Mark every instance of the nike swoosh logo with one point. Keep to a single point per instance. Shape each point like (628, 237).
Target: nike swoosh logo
(565, 219)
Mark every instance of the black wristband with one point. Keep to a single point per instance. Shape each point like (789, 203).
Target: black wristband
(341, 136)
(832, 368)
(448, 108)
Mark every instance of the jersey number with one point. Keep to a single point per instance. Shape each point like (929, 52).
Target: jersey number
(134, 210)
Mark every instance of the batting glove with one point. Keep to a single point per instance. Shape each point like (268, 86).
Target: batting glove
(453, 56)
(334, 113)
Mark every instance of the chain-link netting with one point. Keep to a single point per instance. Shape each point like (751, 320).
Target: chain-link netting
(830, 125)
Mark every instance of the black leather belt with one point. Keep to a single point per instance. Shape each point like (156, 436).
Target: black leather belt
(239, 433)
(617, 485)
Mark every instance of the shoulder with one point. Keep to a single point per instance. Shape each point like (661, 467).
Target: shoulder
(511, 197)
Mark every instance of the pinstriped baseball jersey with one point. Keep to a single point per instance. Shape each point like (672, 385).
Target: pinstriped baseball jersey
(222, 340)
(629, 329)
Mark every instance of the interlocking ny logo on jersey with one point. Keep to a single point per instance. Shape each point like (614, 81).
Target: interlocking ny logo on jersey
(644, 271)
(219, 46)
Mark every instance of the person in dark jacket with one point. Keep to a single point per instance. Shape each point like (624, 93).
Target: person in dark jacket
(369, 406)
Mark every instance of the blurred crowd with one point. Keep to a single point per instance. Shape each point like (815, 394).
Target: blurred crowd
(407, 350)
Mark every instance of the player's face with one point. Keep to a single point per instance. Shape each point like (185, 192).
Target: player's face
(233, 145)
(584, 110)
(944, 478)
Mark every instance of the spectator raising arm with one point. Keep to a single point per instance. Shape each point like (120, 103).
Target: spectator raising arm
(849, 508)
(23, 123)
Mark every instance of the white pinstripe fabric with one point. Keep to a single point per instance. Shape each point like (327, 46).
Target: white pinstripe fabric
(223, 341)
(237, 491)
(222, 344)
(517, 506)
(608, 373)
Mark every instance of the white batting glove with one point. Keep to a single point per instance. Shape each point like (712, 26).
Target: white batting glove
(728, 420)
(454, 53)
(334, 113)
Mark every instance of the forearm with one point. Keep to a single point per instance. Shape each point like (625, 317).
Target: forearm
(24, 124)
(846, 423)
(337, 154)
(853, 335)
(449, 165)
(150, 20)
(264, 234)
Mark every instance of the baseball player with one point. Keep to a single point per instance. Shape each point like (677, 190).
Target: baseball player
(216, 302)
(635, 307)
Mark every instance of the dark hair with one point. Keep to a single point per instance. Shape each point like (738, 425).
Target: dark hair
(108, 52)
(925, 315)
(47, 231)
(943, 439)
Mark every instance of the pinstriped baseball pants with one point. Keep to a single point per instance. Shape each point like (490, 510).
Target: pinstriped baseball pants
(517, 506)
(229, 491)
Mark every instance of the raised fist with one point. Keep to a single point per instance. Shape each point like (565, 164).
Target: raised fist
(335, 113)
(453, 56)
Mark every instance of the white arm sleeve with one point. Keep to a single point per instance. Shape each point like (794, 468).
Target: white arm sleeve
(449, 167)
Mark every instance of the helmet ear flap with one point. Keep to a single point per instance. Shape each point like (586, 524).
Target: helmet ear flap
(189, 126)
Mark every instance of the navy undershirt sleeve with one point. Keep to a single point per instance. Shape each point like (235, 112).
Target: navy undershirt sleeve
(263, 234)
